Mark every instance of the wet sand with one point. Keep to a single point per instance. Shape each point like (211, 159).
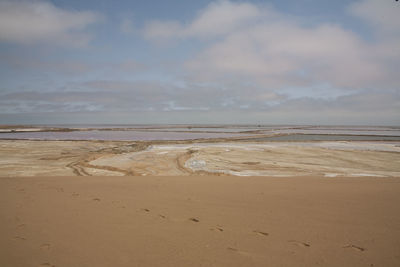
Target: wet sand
(199, 221)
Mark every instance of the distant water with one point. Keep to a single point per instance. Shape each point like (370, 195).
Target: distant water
(114, 135)
(171, 127)
(187, 132)
(356, 131)
(328, 137)
(200, 129)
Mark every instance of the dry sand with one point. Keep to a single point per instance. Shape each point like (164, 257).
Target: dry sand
(199, 221)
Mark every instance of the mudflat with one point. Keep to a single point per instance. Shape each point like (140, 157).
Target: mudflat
(226, 157)
(199, 221)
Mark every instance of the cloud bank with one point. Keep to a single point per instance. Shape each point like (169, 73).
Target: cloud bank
(33, 22)
(244, 58)
(259, 44)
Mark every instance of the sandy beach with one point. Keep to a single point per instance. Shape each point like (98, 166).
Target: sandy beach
(199, 221)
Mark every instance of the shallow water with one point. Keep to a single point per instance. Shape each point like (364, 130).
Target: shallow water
(187, 132)
(222, 129)
(114, 135)
(328, 137)
(339, 131)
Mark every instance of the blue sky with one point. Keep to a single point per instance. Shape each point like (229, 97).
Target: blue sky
(269, 62)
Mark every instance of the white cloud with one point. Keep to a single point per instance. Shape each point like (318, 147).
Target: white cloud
(206, 105)
(384, 19)
(279, 55)
(383, 15)
(29, 22)
(258, 44)
(217, 18)
(115, 95)
(222, 17)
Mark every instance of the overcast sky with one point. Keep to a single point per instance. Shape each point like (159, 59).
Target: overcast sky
(179, 61)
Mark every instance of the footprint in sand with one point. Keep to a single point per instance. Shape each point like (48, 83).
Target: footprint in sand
(300, 244)
(75, 194)
(146, 210)
(21, 225)
(162, 216)
(96, 199)
(194, 220)
(45, 246)
(47, 264)
(218, 228)
(355, 247)
(243, 253)
(19, 238)
(261, 233)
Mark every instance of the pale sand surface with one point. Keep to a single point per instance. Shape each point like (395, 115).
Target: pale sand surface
(236, 221)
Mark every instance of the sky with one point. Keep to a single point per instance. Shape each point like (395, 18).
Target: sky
(319, 62)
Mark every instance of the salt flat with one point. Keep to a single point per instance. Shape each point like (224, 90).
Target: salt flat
(116, 158)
